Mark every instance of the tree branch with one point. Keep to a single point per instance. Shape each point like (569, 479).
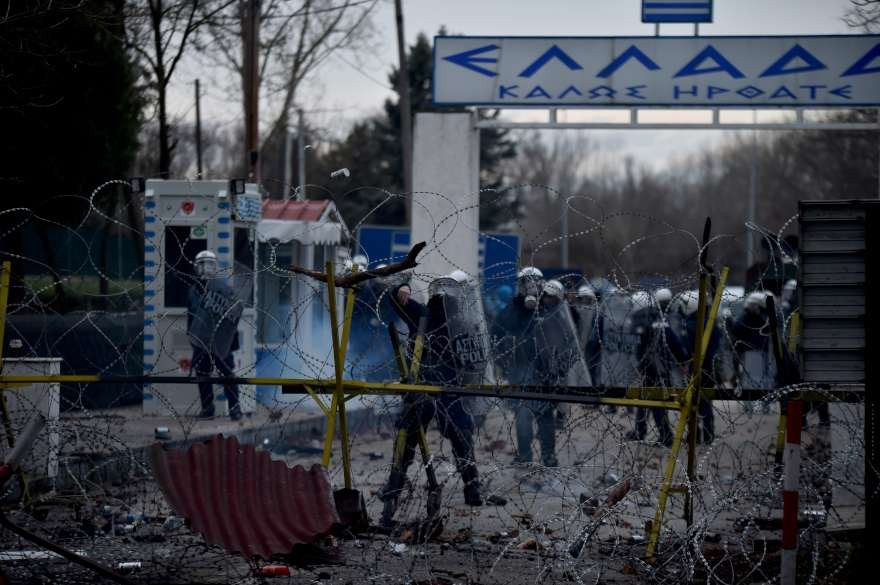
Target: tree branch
(350, 280)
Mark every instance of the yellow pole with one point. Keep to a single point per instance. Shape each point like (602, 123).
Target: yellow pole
(5, 274)
(5, 279)
(683, 418)
(338, 398)
(696, 385)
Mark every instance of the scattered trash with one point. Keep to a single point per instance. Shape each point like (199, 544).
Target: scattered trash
(636, 538)
(162, 433)
(133, 518)
(128, 567)
(530, 544)
(125, 528)
(273, 571)
(172, 523)
(398, 548)
(611, 478)
(376, 455)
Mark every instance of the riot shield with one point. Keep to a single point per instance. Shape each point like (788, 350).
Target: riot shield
(586, 322)
(465, 329)
(560, 358)
(618, 341)
(758, 369)
(215, 315)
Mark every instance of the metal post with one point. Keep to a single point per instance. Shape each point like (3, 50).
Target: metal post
(406, 134)
(251, 79)
(288, 170)
(198, 131)
(301, 155)
(753, 198)
(791, 485)
(656, 29)
(564, 258)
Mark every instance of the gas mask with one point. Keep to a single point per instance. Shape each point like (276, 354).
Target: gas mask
(529, 283)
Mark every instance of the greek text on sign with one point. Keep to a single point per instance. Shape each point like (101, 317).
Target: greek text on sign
(835, 71)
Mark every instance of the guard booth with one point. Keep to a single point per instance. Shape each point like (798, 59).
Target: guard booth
(182, 218)
(293, 328)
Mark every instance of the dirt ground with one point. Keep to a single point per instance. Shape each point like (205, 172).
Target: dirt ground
(735, 535)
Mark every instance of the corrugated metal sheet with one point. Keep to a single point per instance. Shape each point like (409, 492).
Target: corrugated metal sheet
(240, 499)
(293, 209)
(833, 281)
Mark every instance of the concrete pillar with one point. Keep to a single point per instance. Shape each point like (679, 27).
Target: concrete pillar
(446, 181)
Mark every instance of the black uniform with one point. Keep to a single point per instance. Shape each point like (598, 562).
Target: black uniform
(212, 324)
(655, 363)
(455, 423)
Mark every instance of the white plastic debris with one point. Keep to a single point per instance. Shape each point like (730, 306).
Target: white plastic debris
(398, 548)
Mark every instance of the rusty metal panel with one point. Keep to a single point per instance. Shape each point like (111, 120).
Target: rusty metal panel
(240, 499)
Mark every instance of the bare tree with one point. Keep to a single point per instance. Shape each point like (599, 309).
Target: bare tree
(864, 14)
(158, 32)
(296, 36)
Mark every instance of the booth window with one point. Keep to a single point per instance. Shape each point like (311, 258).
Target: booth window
(244, 265)
(275, 292)
(180, 251)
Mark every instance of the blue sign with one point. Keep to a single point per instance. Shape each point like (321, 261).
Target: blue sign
(700, 72)
(677, 11)
(498, 253)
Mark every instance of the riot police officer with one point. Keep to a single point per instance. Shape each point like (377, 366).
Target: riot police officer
(516, 352)
(456, 352)
(656, 361)
(212, 325)
(752, 345)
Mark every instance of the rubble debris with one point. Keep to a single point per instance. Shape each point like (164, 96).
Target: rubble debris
(162, 434)
(172, 523)
(530, 544)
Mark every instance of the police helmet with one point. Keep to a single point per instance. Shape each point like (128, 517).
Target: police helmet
(206, 264)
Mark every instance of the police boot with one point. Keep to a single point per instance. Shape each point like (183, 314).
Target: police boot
(389, 495)
(469, 476)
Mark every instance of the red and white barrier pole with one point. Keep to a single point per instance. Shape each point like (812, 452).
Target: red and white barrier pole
(790, 486)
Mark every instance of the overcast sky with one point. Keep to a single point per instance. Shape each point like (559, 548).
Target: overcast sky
(349, 87)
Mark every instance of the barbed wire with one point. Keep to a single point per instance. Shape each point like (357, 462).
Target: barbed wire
(577, 504)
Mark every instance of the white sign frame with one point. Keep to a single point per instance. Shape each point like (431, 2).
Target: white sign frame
(824, 71)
